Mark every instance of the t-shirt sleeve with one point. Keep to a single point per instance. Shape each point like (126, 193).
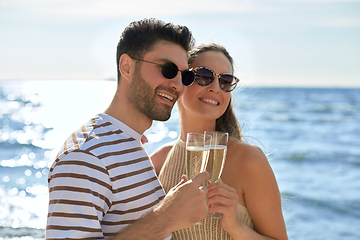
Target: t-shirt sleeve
(79, 196)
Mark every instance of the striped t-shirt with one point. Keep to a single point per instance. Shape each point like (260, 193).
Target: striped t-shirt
(101, 181)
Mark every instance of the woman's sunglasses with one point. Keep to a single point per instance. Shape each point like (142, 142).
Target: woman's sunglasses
(204, 77)
(169, 70)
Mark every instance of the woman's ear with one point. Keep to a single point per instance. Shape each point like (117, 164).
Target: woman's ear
(126, 64)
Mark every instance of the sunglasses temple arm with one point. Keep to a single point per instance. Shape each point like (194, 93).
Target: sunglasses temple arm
(142, 60)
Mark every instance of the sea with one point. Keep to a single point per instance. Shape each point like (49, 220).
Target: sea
(311, 137)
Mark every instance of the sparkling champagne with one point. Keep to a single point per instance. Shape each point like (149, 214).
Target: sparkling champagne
(196, 158)
(216, 161)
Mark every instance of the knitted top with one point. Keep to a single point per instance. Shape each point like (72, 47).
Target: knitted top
(170, 175)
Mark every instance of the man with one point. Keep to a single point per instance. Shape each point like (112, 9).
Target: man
(102, 183)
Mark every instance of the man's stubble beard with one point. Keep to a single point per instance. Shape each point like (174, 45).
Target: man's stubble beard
(143, 98)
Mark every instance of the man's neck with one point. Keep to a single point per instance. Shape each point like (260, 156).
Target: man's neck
(121, 109)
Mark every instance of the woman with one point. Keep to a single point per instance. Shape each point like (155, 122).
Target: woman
(247, 195)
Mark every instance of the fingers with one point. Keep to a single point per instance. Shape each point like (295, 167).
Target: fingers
(222, 194)
(200, 178)
(221, 189)
(221, 185)
(204, 190)
(184, 177)
(221, 209)
(182, 181)
(223, 200)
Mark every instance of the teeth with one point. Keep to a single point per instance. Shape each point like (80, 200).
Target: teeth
(166, 96)
(209, 101)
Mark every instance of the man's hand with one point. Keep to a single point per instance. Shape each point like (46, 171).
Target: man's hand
(185, 204)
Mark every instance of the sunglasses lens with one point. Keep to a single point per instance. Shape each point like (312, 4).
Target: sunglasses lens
(204, 76)
(169, 70)
(187, 77)
(228, 82)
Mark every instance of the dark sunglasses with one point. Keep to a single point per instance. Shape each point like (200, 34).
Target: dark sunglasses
(169, 70)
(205, 76)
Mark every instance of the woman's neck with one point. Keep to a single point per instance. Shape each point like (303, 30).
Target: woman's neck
(195, 125)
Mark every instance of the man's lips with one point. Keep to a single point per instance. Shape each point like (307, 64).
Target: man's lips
(166, 96)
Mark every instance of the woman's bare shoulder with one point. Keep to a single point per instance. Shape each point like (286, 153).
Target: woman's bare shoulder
(247, 160)
(244, 152)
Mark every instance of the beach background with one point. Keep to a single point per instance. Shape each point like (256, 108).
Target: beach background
(298, 98)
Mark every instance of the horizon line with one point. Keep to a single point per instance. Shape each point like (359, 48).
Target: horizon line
(263, 85)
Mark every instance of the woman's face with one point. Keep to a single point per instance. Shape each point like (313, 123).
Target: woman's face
(209, 101)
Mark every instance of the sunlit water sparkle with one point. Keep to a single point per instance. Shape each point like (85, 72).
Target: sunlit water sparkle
(311, 137)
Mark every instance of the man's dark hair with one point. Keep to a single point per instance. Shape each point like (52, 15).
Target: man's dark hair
(140, 36)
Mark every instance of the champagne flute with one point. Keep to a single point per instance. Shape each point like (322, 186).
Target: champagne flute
(197, 152)
(216, 159)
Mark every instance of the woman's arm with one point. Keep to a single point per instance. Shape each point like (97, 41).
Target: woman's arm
(248, 175)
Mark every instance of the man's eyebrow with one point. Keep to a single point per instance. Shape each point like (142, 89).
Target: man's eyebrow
(163, 60)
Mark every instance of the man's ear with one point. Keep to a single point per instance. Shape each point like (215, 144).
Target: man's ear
(126, 66)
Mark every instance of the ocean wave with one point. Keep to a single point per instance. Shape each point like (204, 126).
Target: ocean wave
(10, 144)
(320, 156)
(29, 233)
(348, 207)
(16, 154)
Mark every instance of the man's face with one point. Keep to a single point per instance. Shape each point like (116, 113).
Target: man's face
(149, 91)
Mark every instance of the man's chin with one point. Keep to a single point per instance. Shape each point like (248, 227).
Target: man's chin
(162, 118)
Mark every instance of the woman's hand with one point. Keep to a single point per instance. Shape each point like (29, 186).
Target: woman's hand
(226, 201)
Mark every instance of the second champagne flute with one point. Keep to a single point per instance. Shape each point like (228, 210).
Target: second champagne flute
(216, 159)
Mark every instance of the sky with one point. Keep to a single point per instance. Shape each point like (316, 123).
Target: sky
(273, 42)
